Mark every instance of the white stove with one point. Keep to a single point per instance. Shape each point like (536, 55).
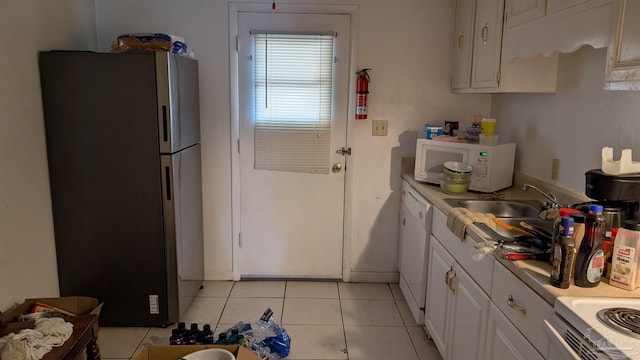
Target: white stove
(595, 328)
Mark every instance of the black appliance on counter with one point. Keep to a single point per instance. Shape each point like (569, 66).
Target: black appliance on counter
(123, 133)
(614, 191)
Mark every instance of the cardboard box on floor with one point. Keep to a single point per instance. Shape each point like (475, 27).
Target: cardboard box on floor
(79, 305)
(173, 352)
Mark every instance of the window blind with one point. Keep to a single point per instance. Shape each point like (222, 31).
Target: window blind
(293, 101)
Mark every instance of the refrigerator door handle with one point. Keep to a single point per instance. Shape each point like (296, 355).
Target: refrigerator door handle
(165, 124)
(167, 176)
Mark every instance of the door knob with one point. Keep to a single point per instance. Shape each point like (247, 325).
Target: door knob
(336, 168)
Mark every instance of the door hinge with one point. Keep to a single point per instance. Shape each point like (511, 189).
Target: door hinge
(498, 77)
(238, 145)
(237, 43)
(239, 240)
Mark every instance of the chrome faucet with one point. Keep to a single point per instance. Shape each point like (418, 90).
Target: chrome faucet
(550, 196)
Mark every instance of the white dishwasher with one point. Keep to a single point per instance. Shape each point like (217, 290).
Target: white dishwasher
(415, 227)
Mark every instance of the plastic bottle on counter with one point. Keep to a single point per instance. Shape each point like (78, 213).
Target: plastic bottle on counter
(563, 254)
(578, 234)
(590, 257)
(562, 212)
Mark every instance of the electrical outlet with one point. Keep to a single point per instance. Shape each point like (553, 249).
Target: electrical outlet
(555, 169)
(379, 127)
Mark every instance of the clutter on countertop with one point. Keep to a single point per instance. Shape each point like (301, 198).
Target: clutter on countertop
(151, 42)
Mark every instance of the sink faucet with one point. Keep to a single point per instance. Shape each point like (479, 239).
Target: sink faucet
(550, 196)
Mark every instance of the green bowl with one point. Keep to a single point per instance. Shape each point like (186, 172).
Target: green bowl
(454, 187)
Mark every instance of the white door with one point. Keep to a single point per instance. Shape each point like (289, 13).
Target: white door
(291, 223)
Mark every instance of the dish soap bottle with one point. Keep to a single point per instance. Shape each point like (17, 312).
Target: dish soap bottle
(590, 258)
(562, 251)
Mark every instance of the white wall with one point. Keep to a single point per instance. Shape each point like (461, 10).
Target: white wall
(406, 42)
(27, 250)
(571, 125)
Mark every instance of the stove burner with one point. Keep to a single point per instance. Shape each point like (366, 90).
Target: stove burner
(624, 320)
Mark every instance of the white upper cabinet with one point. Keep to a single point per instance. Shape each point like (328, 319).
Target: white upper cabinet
(623, 57)
(477, 41)
(463, 44)
(477, 65)
(522, 11)
(542, 27)
(487, 44)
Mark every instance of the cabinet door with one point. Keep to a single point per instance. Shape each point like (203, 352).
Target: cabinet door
(469, 318)
(555, 6)
(623, 57)
(438, 303)
(522, 11)
(504, 341)
(487, 44)
(463, 44)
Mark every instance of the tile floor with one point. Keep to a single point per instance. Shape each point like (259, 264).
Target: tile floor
(326, 320)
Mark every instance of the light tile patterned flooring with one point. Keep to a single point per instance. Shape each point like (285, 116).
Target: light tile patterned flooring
(326, 320)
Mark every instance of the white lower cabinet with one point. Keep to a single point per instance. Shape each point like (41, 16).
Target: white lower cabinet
(504, 341)
(525, 309)
(456, 307)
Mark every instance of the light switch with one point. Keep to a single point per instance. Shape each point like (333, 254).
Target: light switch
(379, 127)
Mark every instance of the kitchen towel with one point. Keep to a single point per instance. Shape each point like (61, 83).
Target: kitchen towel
(459, 218)
(34, 344)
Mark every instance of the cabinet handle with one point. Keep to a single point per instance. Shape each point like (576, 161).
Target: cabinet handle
(512, 304)
(460, 41)
(484, 33)
(404, 221)
(451, 274)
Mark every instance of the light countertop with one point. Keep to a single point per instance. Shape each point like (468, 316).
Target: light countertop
(534, 273)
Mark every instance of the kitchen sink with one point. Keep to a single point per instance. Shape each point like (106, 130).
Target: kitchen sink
(509, 212)
(500, 208)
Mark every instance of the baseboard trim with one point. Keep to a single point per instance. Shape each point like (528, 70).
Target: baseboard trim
(218, 276)
(375, 277)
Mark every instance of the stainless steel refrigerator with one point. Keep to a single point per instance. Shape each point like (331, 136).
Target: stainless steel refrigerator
(123, 134)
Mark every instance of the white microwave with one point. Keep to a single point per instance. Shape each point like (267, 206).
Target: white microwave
(492, 164)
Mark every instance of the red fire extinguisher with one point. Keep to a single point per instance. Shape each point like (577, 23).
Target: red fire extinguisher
(362, 89)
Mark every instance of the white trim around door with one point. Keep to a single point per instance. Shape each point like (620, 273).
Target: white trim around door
(234, 9)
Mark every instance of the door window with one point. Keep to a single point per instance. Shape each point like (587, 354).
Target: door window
(293, 101)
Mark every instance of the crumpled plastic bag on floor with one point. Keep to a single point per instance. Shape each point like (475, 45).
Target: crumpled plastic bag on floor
(266, 338)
